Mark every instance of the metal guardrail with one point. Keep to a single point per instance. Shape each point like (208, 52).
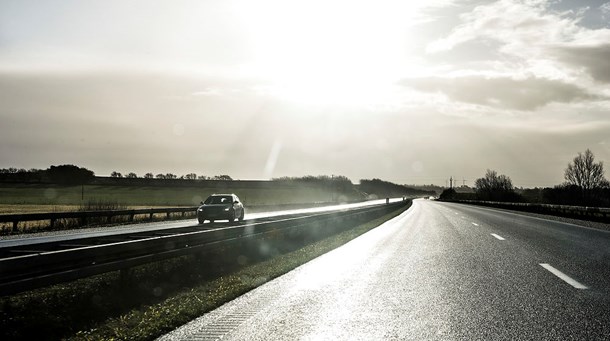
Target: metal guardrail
(596, 213)
(15, 219)
(26, 272)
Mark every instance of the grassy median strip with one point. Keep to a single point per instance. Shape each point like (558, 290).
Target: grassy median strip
(151, 300)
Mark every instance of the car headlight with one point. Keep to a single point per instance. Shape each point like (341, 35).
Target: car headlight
(227, 209)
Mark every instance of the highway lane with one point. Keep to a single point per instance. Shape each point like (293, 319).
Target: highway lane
(438, 272)
(65, 235)
(581, 251)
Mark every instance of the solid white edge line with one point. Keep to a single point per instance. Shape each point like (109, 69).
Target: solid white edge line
(475, 224)
(497, 237)
(563, 276)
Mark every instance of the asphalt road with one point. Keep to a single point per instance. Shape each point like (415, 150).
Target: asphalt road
(64, 235)
(437, 272)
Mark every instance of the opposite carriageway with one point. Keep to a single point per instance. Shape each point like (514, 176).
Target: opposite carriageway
(26, 267)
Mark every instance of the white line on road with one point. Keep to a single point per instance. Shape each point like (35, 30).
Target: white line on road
(475, 224)
(563, 276)
(497, 237)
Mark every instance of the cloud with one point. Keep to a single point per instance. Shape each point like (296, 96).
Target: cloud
(541, 55)
(512, 23)
(502, 92)
(531, 36)
(605, 8)
(595, 59)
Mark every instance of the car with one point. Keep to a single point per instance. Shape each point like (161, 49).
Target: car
(220, 207)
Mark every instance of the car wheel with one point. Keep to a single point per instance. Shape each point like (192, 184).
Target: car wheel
(201, 220)
(211, 221)
(232, 216)
(241, 217)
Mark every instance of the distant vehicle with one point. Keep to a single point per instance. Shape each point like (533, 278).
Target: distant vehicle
(220, 207)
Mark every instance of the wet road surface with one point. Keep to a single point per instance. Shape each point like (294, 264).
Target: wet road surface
(439, 271)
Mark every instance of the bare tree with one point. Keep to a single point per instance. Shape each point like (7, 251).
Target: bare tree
(223, 177)
(116, 174)
(131, 175)
(585, 173)
(190, 176)
(148, 176)
(493, 181)
(495, 187)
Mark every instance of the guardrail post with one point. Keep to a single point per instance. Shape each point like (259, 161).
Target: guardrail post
(15, 225)
(150, 216)
(168, 214)
(52, 222)
(131, 217)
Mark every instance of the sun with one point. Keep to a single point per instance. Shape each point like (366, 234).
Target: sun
(329, 52)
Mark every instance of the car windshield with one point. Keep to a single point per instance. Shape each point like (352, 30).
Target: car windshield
(215, 200)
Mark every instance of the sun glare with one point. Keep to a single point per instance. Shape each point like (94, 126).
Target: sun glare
(329, 52)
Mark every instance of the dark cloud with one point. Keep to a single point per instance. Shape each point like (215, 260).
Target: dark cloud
(504, 93)
(595, 59)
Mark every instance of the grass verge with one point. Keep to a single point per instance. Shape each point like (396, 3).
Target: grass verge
(83, 311)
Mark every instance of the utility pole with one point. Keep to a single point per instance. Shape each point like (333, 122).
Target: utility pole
(463, 182)
(451, 182)
(332, 188)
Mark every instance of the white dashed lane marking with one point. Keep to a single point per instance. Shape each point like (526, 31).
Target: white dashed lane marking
(563, 276)
(497, 237)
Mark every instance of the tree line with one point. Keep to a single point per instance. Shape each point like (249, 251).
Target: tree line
(74, 175)
(584, 185)
(169, 176)
(338, 183)
(63, 174)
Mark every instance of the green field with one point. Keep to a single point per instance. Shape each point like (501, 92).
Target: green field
(52, 196)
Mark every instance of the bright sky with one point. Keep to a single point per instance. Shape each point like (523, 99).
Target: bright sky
(405, 91)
